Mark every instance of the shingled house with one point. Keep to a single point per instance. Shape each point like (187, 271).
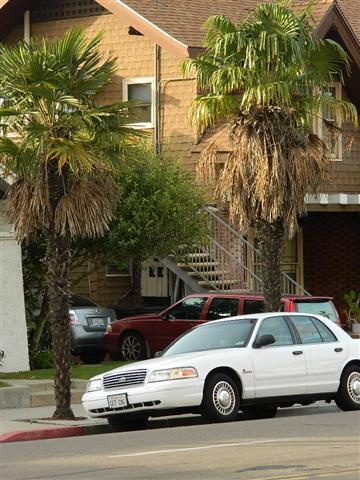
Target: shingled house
(150, 39)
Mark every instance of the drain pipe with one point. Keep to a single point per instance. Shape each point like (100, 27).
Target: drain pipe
(157, 52)
(27, 26)
(159, 84)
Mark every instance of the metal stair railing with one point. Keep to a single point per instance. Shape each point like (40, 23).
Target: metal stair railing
(229, 263)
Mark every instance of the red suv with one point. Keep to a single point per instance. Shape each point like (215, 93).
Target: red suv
(139, 337)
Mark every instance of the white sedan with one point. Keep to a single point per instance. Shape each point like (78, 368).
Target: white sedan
(253, 363)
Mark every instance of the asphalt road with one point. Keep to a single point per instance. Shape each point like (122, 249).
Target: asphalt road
(301, 443)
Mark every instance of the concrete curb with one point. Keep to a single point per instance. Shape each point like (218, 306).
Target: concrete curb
(51, 433)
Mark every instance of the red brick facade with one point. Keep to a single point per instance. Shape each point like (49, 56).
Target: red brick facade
(332, 254)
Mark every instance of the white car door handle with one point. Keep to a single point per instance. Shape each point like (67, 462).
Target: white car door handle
(338, 349)
(297, 352)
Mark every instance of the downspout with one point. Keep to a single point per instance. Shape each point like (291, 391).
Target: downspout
(157, 115)
(157, 50)
(27, 26)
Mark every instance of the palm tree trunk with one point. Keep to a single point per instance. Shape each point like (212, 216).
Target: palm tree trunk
(57, 282)
(58, 291)
(271, 239)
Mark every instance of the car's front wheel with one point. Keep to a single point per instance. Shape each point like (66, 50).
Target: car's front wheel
(256, 412)
(348, 395)
(221, 399)
(132, 347)
(136, 422)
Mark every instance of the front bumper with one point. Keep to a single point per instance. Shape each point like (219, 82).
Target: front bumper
(157, 396)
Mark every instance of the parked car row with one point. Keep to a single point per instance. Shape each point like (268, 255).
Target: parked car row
(139, 337)
(95, 330)
(253, 363)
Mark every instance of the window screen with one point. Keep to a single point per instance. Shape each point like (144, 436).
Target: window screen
(141, 93)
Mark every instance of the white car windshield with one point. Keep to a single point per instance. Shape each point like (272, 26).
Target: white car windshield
(212, 336)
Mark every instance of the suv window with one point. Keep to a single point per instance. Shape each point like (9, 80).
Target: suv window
(222, 307)
(278, 328)
(189, 309)
(319, 307)
(253, 306)
(312, 330)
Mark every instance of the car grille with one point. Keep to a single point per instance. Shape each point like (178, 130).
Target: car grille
(128, 407)
(134, 377)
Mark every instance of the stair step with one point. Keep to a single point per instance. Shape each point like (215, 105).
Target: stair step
(198, 264)
(43, 399)
(235, 290)
(45, 386)
(218, 282)
(198, 255)
(209, 272)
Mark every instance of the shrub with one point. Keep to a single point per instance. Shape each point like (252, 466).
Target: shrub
(43, 359)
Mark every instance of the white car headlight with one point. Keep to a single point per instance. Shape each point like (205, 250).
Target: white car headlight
(94, 385)
(172, 374)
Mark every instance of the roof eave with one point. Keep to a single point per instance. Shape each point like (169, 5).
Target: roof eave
(147, 28)
(11, 14)
(334, 18)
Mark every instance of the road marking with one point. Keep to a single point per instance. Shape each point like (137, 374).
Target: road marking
(308, 476)
(205, 447)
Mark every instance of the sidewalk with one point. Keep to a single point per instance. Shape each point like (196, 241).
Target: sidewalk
(35, 423)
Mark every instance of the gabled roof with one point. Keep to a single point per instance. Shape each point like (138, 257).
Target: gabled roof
(178, 25)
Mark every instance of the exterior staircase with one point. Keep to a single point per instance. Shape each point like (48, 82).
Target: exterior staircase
(228, 263)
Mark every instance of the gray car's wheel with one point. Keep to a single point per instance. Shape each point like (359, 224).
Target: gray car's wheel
(119, 423)
(255, 412)
(132, 347)
(221, 399)
(95, 356)
(348, 395)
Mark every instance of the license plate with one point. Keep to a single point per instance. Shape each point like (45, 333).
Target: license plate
(97, 322)
(117, 401)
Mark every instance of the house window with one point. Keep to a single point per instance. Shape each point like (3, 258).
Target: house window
(141, 91)
(332, 137)
(113, 270)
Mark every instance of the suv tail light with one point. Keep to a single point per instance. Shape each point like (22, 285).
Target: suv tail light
(73, 318)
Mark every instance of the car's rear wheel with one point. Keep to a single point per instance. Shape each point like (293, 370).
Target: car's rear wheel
(348, 395)
(132, 346)
(95, 356)
(136, 422)
(221, 399)
(256, 412)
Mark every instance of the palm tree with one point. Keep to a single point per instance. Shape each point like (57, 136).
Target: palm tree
(61, 147)
(264, 81)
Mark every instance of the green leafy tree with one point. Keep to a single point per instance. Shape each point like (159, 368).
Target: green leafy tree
(159, 212)
(263, 81)
(62, 152)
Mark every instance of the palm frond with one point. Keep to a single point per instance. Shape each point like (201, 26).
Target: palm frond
(86, 210)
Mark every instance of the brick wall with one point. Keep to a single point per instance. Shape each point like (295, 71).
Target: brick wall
(332, 254)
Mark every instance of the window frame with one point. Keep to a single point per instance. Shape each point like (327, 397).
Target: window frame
(135, 81)
(337, 156)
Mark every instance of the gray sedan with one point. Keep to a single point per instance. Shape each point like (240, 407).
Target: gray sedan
(88, 323)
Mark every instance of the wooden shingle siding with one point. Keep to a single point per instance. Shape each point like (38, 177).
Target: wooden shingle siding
(346, 173)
